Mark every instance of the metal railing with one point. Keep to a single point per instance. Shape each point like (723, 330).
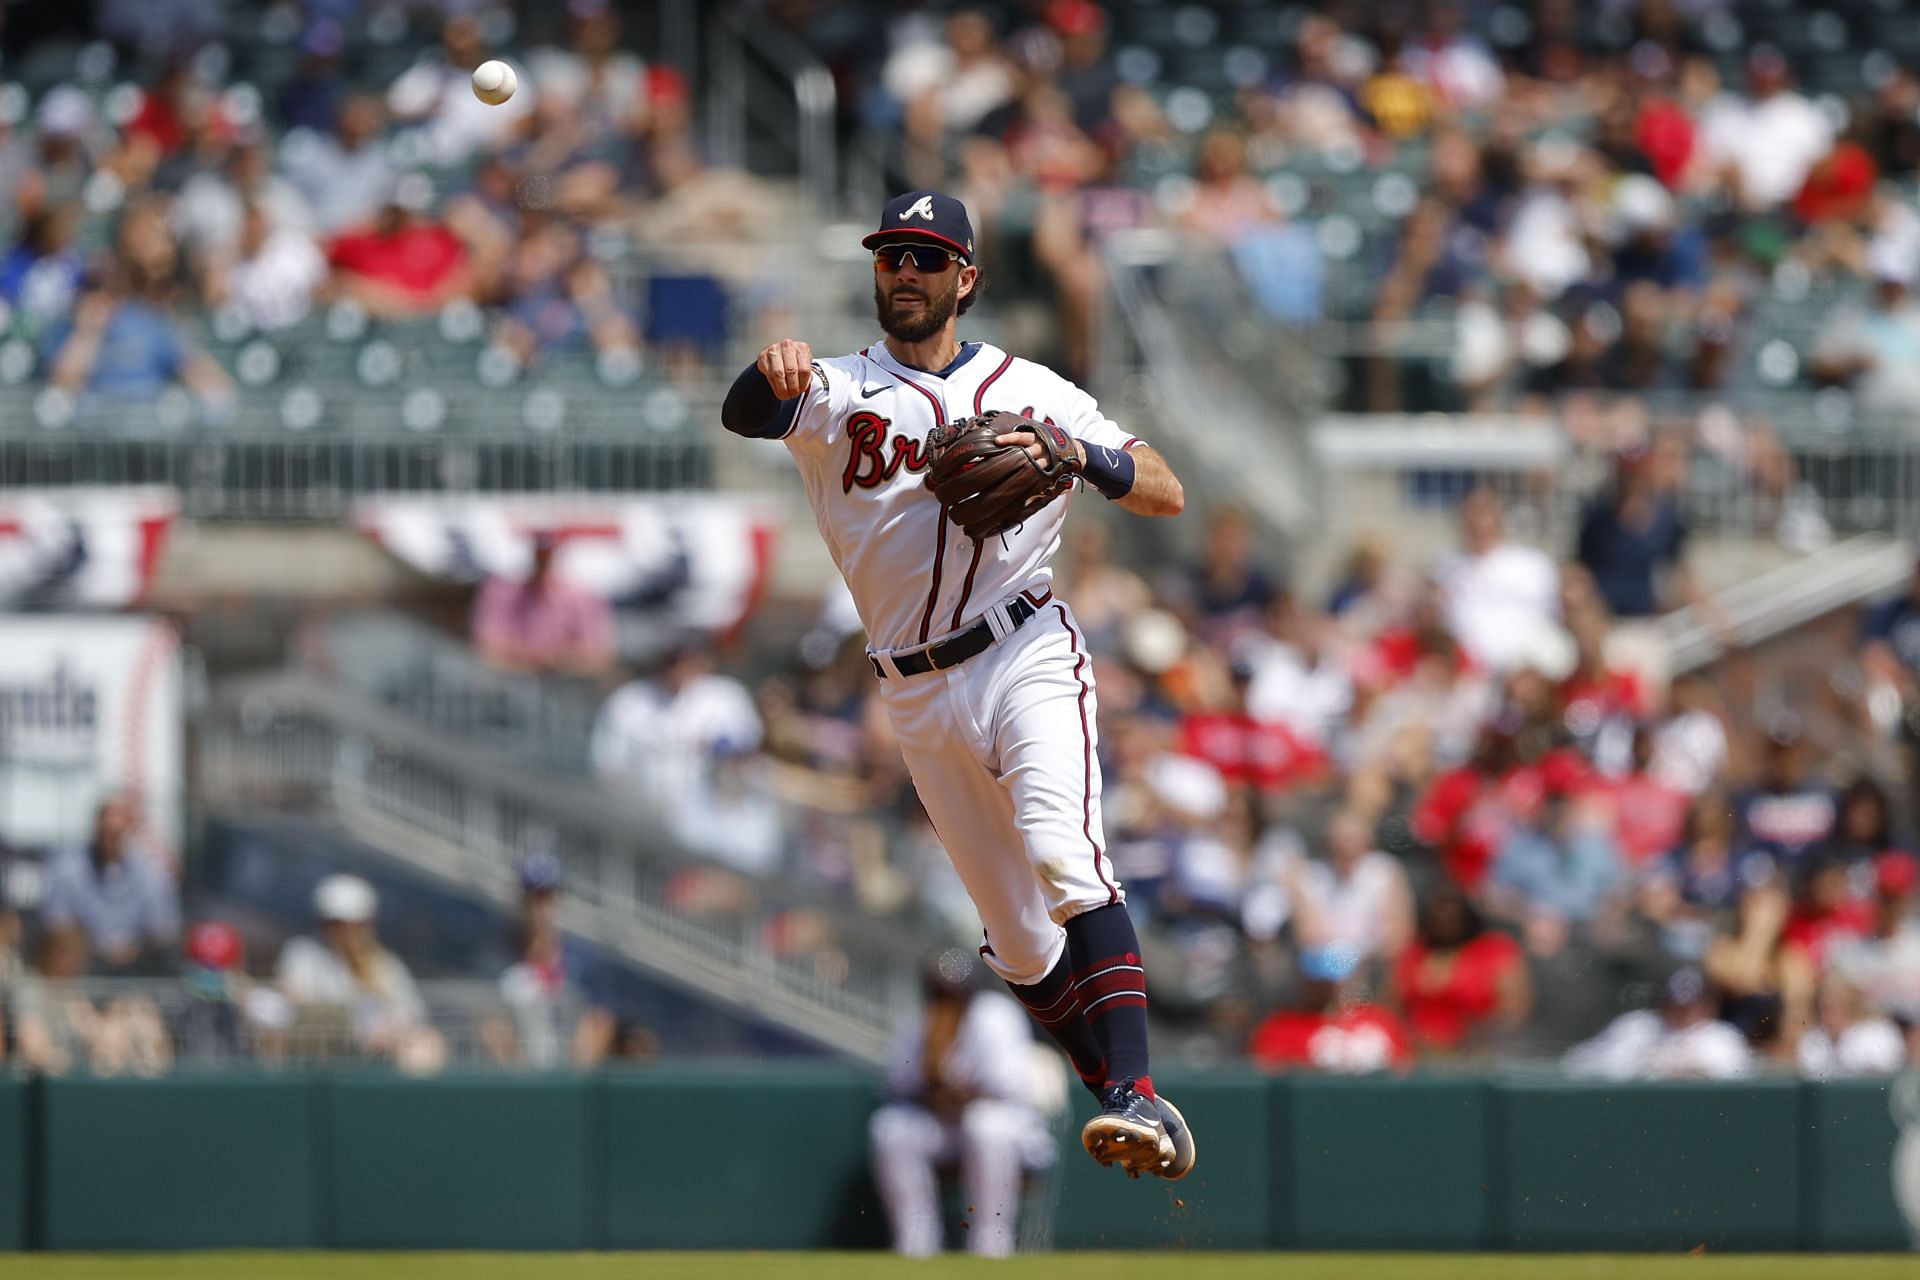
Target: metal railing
(1217, 391)
(436, 681)
(1376, 473)
(1765, 606)
(1811, 484)
(291, 476)
(293, 742)
(770, 103)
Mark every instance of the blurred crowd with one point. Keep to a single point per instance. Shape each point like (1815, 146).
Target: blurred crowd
(100, 974)
(1450, 811)
(140, 217)
(1444, 811)
(1621, 210)
(1457, 808)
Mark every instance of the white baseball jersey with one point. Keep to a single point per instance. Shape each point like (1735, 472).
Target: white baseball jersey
(859, 436)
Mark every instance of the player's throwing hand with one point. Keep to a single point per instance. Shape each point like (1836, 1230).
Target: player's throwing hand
(788, 366)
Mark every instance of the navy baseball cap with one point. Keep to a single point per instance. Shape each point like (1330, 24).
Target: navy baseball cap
(925, 217)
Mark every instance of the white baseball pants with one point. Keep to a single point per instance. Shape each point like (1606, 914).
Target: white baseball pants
(1004, 754)
(993, 1143)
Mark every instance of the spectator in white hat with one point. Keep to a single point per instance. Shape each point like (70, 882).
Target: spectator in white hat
(346, 971)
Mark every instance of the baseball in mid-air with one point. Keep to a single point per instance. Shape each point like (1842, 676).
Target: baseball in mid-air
(494, 82)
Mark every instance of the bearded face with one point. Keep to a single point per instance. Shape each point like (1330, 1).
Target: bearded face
(915, 309)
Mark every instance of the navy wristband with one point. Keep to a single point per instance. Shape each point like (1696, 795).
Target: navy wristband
(1108, 470)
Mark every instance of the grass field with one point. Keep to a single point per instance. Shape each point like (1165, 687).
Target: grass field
(848, 1266)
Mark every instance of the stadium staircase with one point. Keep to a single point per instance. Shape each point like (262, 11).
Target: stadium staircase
(465, 813)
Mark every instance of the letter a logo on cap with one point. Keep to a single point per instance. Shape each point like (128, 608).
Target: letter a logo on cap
(922, 208)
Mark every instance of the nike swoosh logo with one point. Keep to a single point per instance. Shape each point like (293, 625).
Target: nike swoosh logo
(868, 393)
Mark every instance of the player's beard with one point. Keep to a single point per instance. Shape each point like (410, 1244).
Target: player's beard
(929, 319)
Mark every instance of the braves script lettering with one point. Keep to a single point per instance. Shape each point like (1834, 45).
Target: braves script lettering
(872, 459)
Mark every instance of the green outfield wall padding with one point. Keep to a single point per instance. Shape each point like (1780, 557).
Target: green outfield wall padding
(13, 1164)
(480, 1163)
(752, 1156)
(1419, 1145)
(191, 1162)
(740, 1157)
(1848, 1190)
(1649, 1166)
(1222, 1205)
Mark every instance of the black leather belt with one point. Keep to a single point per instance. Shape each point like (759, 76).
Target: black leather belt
(954, 650)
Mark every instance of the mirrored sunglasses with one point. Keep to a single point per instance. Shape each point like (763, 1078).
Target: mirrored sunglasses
(924, 257)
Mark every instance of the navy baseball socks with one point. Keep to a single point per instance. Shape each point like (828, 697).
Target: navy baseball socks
(1055, 1005)
(1096, 1010)
(1135, 1129)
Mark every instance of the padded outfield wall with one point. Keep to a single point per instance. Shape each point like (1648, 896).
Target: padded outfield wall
(747, 1157)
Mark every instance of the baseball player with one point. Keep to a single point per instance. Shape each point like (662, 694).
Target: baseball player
(984, 675)
(960, 1093)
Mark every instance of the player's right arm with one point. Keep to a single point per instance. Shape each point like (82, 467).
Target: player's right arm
(767, 396)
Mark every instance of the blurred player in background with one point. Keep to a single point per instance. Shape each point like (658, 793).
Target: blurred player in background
(962, 1092)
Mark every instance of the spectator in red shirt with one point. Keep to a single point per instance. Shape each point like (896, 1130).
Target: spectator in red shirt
(404, 264)
(1334, 1028)
(1826, 909)
(1395, 650)
(1840, 188)
(1649, 814)
(1464, 816)
(1601, 699)
(1459, 983)
(166, 110)
(1666, 135)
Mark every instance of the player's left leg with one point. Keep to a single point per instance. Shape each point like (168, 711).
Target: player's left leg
(1046, 742)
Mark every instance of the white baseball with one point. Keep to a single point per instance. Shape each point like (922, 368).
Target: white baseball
(494, 82)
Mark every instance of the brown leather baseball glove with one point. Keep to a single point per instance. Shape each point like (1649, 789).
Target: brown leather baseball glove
(988, 488)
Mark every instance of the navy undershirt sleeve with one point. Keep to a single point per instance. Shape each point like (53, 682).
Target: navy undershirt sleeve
(752, 410)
